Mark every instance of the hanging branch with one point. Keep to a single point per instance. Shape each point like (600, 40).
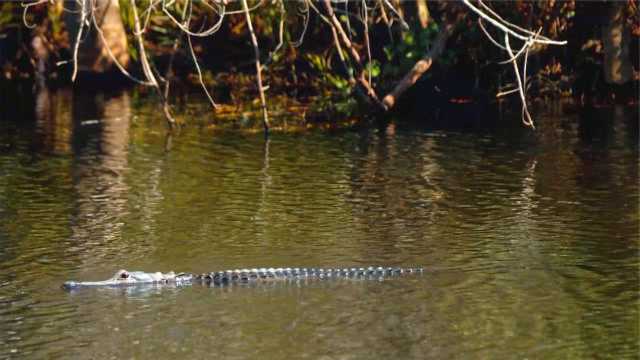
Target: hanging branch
(362, 80)
(193, 55)
(367, 43)
(305, 12)
(76, 47)
(256, 51)
(505, 26)
(336, 44)
(26, 7)
(530, 39)
(146, 67)
(176, 44)
(200, 78)
(112, 56)
(273, 53)
(526, 116)
(357, 66)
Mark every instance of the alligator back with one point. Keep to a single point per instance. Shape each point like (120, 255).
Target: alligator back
(247, 275)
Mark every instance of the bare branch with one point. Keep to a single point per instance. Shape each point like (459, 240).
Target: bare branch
(146, 67)
(83, 16)
(110, 53)
(352, 51)
(195, 63)
(256, 50)
(418, 69)
(26, 7)
(506, 29)
(213, 29)
(526, 117)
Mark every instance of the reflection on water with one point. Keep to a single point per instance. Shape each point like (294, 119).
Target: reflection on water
(530, 239)
(100, 144)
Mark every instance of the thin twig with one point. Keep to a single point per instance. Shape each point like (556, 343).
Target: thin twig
(506, 23)
(26, 10)
(486, 33)
(176, 44)
(526, 117)
(371, 93)
(185, 29)
(110, 52)
(306, 14)
(256, 50)
(505, 29)
(280, 36)
(200, 78)
(83, 14)
(146, 67)
(366, 37)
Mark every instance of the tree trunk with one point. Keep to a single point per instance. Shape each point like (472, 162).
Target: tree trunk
(615, 41)
(96, 55)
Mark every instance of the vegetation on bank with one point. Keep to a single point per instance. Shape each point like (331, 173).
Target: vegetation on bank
(378, 50)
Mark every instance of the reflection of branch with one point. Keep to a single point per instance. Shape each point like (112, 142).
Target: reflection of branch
(266, 178)
(168, 141)
(256, 51)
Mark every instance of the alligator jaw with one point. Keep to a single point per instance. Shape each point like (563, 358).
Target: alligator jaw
(76, 284)
(124, 278)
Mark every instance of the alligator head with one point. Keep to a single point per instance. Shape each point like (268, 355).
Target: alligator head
(124, 278)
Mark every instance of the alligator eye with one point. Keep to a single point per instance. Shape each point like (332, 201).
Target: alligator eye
(124, 275)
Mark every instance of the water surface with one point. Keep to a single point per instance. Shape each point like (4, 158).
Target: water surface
(530, 239)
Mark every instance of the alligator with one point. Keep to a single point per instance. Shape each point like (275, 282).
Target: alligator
(221, 278)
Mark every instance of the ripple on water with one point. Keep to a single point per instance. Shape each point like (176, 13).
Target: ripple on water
(530, 243)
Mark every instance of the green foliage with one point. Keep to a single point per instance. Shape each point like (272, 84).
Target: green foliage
(403, 54)
(7, 18)
(374, 68)
(322, 66)
(126, 13)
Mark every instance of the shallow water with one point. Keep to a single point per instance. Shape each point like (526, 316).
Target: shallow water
(529, 239)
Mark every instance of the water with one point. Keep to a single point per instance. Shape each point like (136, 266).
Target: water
(530, 239)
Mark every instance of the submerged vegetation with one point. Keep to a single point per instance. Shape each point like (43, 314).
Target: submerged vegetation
(347, 57)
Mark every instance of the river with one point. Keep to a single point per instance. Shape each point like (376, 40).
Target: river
(529, 238)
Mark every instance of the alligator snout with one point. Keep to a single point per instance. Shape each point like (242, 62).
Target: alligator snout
(69, 285)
